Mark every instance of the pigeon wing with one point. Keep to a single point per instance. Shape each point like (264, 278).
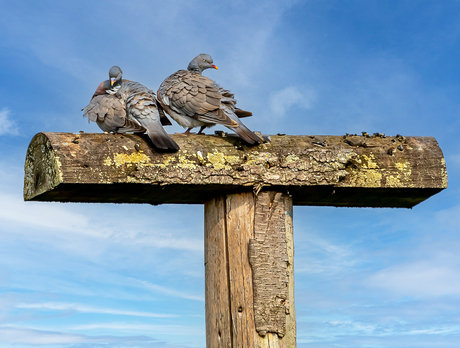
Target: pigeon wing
(191, 94)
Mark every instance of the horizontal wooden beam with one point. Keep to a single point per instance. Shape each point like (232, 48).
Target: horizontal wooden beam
(353, 171)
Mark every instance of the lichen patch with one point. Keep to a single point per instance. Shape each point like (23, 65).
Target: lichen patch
(185, 163)
(138, 158)
(220, 161)
(444, 173)
(369, 161)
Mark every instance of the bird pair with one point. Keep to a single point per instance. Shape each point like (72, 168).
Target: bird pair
(191, 99)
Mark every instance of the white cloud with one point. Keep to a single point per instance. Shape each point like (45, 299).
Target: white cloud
(7, 126)
(42, 215)
(143, 328)
(449, 218)
(171, 292)
(22, 335)
(418, 279)
(60, 219)
(301, 97)
(29, 336)
(325, 257)
(54, 306)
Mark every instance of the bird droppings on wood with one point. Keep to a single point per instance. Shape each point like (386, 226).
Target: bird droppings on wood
(209, 163)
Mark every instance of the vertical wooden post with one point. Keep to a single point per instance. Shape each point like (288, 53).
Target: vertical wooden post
(249, 254)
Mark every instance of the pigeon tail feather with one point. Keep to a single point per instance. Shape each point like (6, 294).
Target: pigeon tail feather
(131, 126)
(158, 136)
(247, 135)
(142, 108)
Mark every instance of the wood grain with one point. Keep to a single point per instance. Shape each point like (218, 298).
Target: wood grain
(231, 224)
(217, 296)
(315, 170)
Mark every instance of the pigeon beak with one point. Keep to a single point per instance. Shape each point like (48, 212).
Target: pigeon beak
(215, 67)
(112, 80)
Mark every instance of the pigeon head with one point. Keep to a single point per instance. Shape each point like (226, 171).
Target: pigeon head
(116, 75)
(201, 62)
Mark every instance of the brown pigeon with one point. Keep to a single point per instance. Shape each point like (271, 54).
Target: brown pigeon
(194, 100)
(125, 106)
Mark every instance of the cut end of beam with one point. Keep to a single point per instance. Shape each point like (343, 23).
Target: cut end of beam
(352, 171)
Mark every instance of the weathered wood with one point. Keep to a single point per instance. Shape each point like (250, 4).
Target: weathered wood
(217, 297)
(291, 323)
(240, 229)
(268, 256)
(316, 170)
(230, 226)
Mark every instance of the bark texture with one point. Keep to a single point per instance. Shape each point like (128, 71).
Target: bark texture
(268, 255)
(316, 170)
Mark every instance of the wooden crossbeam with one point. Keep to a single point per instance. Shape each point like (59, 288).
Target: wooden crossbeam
(352, 171)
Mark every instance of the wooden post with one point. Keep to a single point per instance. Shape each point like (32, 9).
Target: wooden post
(248, 194)
(249, 259)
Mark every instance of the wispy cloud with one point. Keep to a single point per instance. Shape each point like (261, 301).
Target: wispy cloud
(171, 292)
(30, 336)
(7, 126)
(62, 219)
(21, 335)
(424, 278)
(141, 327)
(292, 96)
(326, 258)
(55, 306)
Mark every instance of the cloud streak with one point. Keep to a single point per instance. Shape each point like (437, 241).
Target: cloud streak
(292, 96)
(54, 306)
(21, 335)
(7, 126)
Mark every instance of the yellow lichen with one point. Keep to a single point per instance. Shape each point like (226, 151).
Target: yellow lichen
(119, 159)
(394, 181)
(232, 159)
(402, 165)
(165, 163)
(366, 178)
(108, 161)
(130, 179)
(369, 161)
(402, 178)
(291, 159)
(185, 163)
(253, 159)
(444, 173)
(219, 161)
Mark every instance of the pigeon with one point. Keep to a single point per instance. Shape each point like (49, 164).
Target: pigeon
(194, 100)
(125, 106)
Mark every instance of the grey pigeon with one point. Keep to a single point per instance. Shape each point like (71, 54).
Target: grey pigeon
(125, 106)
(193, 100)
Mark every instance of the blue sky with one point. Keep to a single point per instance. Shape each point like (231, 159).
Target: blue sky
(94, 275)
